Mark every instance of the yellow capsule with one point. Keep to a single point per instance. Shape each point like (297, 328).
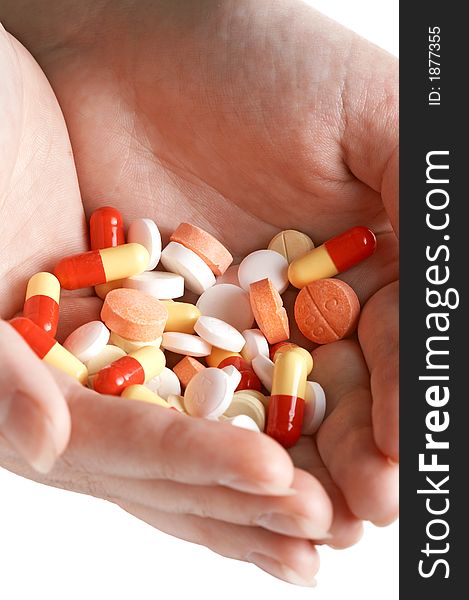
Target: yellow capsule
(142, 393)
(217, 355)
(152, 360)
(182, 316)
(64, 360)
(103, 289)
(315, 264)
(291, 370)
(43, 284)
(120, 260)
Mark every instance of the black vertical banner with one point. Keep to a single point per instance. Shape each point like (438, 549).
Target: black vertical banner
(434, 202)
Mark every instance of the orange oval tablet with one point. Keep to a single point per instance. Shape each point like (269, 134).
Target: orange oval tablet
(327, 310)
(210, 250)
(268, 310)
(186, 369)
(134, 315)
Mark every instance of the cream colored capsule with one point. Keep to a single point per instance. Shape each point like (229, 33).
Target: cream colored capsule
(142, 393)
(217, 355)
(64, 360)
(152, 360)
(124, 261)
(129, 346)
(291, 369)
(43, 284)
(182, 316)
(103, 289)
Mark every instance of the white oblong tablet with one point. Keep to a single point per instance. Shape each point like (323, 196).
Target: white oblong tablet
(165, 384)
(107, 356)
(185, 343)
(256, 343)
(315, 408)
(243, 421)
(161, 285)
(219, 334)
(262, 264)
(228, 303)
(146, 233)
(87, 341)
(131, 345)
(198, 276)
(263, 367)
(209, 393)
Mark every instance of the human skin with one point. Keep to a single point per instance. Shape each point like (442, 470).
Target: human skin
(244, 117)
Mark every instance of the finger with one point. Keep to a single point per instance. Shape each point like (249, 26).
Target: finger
(346, 529)
(379, 339)
(115, 436)
(307, 514)
(290, 559)
(345, 440)
(34, 416)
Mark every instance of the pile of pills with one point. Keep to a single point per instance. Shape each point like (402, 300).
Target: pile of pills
(229, 369)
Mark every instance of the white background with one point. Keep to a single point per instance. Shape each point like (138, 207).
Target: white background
(58, 545)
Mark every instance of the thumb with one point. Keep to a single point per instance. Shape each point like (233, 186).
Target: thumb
(34, 416)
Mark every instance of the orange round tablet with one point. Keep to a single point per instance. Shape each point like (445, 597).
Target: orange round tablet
(134, 315)
(327, 310)
(268, 310)
(210, 250)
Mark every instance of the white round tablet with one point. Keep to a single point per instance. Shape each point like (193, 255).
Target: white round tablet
(256, 343)
(263, 367)
(107, 356)
(209, 393)
(131, 345)
(185, 343)
(87, 341)
(262, 264)
(198, 276)
(219, 334)
(165, 384)
(315, 408)
(161, 285)
(229, 303)
(243, 421)
(146, 233)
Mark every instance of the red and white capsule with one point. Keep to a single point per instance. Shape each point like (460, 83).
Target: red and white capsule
(135, 369)
(101, 266)
(48, 349)
(41, 304)
(287, 401)
(106, 228)
(333, 257)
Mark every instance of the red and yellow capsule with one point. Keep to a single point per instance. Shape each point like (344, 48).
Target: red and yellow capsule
(48, 349)
(101, 266)
(135, 369)
(333, 257)
(106, 228)
(286, 406)
(41, 304)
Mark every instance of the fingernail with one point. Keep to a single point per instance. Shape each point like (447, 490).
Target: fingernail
(294, 525)
(30, 433)
(251, 487)
(278, 569)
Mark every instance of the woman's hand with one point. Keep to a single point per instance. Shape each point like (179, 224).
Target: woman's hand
(246, 117)
(232, 490)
